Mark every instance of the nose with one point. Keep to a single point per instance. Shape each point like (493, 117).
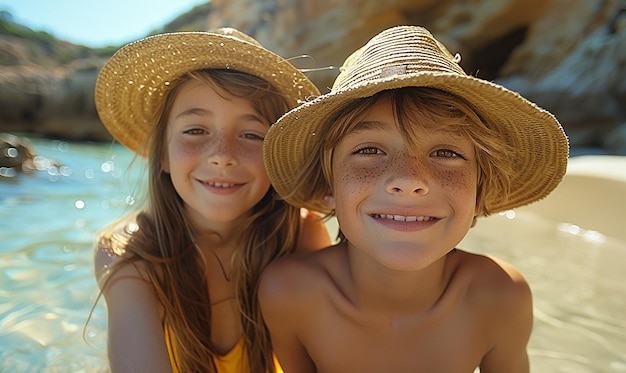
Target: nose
(223, 152)
(408, 176)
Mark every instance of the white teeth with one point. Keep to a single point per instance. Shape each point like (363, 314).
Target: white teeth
(221, 185)
(404, 218)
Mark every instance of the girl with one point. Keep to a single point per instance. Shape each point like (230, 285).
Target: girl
(180, 277)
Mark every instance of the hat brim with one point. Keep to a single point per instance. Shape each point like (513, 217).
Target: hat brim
(131, 84)
(523, 125)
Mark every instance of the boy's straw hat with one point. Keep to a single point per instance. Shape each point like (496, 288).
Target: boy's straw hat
(132, 82)
(406, 56)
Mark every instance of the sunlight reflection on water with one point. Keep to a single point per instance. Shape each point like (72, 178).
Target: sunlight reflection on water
(46, 279)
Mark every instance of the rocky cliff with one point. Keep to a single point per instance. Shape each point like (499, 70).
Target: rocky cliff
(569, 56)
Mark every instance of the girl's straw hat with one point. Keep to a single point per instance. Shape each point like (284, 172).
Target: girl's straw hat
(132, 82)
(409, 56)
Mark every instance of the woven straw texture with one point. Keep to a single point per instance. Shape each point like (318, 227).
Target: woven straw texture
(410, 56)
(133, 81)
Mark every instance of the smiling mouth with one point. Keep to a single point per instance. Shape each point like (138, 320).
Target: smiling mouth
(221, 185)
(403, 218)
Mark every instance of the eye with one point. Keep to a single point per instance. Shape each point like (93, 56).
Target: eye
(446, 153)
(368, 150)
(253, 136)
(195, 131)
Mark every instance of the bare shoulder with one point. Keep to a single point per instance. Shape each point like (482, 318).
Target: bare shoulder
(297, 277)
(488, 268)
(500, 299)
(494, 281)
(111, 257)
(125, 283)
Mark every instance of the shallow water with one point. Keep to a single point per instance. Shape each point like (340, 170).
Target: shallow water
(48, 221)
(578, 282)
(47, 288)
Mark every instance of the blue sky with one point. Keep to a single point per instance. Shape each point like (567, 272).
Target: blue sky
(97, 23)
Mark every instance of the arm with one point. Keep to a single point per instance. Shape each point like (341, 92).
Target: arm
(136, 342)
(508, 353)
(280, 302)
(315, 234)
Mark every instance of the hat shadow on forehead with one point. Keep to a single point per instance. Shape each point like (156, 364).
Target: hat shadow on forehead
(409, 56)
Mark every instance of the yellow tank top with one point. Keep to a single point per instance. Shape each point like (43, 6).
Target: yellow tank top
(235, 361)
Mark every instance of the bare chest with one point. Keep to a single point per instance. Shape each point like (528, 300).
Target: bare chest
(446, 343)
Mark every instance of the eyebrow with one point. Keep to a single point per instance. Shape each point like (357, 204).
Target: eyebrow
(193, 111)
(367, 125)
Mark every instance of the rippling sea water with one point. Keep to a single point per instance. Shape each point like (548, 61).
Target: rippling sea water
(47, 290)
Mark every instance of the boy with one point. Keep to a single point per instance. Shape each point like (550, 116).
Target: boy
(407, 151)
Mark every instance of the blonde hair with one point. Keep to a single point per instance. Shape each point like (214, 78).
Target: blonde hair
(164, 240)
(411, 105)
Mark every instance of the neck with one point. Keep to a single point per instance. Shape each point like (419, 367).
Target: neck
(388, 290)
(218, 258)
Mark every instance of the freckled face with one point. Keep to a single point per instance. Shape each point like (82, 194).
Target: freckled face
(214, 155)
(403, 209)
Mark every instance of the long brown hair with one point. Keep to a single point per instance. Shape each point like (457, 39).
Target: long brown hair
(163, 240)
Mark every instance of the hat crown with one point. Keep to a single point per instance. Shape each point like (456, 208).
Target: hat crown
(402, 50)
(234, 33)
